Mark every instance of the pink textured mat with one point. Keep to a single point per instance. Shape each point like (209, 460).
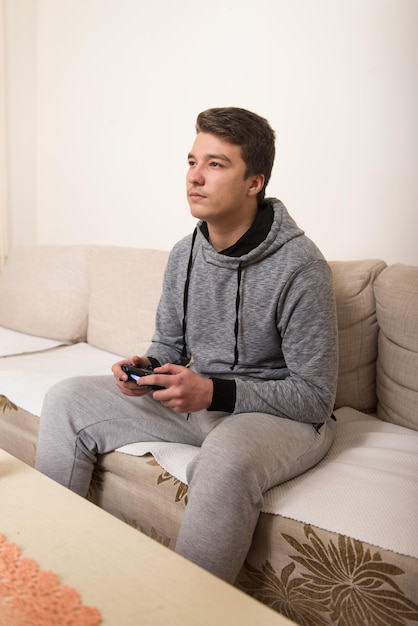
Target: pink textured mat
(30, 596)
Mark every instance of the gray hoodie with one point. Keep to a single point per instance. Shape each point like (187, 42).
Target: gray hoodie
(262, 324)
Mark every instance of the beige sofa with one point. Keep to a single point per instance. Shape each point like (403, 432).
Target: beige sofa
(338, 545)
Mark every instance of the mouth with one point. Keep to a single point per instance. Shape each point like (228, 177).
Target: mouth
(195, 195)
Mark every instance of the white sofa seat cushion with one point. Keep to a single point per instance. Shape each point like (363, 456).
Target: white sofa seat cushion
(365, 488)
(26, 378)
(13, 343)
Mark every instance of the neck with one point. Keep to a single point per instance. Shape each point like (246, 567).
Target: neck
(223, 235)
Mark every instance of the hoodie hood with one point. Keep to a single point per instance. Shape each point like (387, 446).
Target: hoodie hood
(283, 229)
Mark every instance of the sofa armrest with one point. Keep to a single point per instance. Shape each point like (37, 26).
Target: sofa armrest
(357, 332)
(396, 292)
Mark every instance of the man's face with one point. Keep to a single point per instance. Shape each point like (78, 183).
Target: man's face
(217, 191)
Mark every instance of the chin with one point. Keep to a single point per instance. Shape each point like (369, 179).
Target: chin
(197, 212)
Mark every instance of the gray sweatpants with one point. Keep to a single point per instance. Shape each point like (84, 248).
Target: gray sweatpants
(241, 456)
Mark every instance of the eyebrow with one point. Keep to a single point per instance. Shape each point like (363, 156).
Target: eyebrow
(220, 157)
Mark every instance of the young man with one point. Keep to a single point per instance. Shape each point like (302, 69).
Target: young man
(248, 301)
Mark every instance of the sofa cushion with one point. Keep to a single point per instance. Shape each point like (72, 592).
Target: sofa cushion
(13, 343)
(126, 284)
(357, 332)
(44, 292)
(41, 370)
(397, 364)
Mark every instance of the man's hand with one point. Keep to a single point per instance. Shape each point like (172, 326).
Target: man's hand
(126, 385)
(184, 390)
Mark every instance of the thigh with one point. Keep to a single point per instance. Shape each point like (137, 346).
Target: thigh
(93, 407)
(276, 449)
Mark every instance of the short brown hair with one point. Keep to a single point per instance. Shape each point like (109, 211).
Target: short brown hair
(248, 130)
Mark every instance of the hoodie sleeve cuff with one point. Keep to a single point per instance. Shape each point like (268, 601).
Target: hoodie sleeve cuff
(224, 395)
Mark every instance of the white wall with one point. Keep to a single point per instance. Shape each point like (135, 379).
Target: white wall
(20, 105)
(119, 84)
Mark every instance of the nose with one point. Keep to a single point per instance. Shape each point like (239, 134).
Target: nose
(195, 175)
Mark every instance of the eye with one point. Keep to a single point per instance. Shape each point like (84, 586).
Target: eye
(215, 164)
(191, 162)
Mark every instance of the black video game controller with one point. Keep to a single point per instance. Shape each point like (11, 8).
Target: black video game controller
(135, 373)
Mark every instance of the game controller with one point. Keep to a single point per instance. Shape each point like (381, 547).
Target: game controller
(135, 373)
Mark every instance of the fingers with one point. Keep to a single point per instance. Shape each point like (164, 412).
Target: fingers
(132, 389)
(167, 376)
(118, 373)
(139, 361)
(170, 368)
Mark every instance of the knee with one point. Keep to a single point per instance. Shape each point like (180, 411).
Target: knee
(226, 469)
(64, 391)
(61, 402)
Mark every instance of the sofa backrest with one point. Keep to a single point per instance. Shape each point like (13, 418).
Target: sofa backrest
(125, 287)
(44, 291)
(357, 332)
(396, 290)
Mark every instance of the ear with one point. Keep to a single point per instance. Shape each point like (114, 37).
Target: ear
(256, 183)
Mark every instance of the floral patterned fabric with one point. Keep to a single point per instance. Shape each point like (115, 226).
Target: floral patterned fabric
(319, 578)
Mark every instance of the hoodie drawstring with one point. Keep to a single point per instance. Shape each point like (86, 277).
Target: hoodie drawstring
(185, 305)
(236, 328)
(186, 295)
